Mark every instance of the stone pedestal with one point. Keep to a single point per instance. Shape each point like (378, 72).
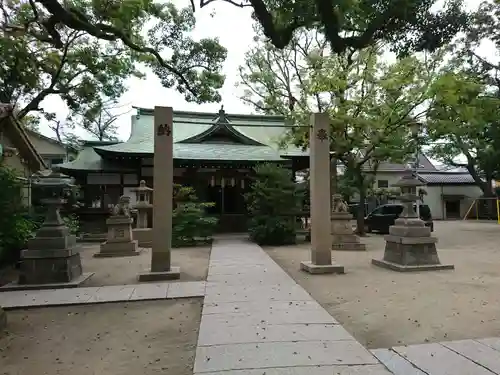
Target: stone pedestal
(143, 236)
(163, 173)
(119, 242)
(343, 237)
(321, 255)
(51, 259)
(3, 319)
(409, 245)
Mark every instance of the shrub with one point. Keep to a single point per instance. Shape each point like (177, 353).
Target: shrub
(189, 220)
(15, 226)
(272, 202)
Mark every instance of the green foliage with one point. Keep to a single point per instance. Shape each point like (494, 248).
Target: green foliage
(15, 227)
(371, 102)
(272, 202)
(73, 223)
(463, 125)
(190, 224)
(410, 25)
(83, 50)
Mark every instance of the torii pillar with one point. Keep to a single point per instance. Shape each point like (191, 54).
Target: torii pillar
(163, 172)
(319, 175)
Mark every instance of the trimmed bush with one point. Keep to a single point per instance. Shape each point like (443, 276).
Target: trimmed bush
(272, 203)
(190, 223)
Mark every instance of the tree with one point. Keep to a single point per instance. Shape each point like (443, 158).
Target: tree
(192, 67)
(100, 118)
(371, 103)
(463, 126)
(273, 201)
(410, 25)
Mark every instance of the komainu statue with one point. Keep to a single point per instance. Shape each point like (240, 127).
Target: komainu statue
(338, 204)
(122, 208)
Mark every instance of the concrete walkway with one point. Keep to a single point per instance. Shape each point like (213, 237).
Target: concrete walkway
(103, 294)
(464, 357)
(257, 321)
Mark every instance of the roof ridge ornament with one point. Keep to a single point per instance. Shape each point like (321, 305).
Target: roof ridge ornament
(222, 119)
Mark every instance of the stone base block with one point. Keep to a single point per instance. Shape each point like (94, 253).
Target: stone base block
(3, 319)
(309, 267)
(76, 282)
(143, 236)
(93, 237)
(403, 268)
(173, 274)
(53, 267)
(352, 246)
(117, 249)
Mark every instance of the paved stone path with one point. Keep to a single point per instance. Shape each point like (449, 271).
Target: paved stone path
(464, 357)
(87, 295)
(257, 321)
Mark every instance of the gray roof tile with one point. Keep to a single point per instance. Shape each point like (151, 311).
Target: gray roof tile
(444, 178)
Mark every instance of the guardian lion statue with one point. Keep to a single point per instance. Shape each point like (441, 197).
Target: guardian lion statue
(338, 204)
(122, 208)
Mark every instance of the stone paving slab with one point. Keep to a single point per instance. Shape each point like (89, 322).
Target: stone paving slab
(214, 335)
(395, 363)
(256, 320)
(476, 352)
(316, 370)
(113, 293)
(256, 306)
(462, 357)
(290, 316)
(280, 354)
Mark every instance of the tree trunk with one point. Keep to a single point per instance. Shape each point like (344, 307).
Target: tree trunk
(360, 219)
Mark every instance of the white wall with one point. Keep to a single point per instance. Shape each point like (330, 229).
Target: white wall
(434, 198)
(392, 178)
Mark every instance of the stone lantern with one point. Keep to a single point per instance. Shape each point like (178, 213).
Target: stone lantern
(52, 257)
(409, 245)
(143, 206)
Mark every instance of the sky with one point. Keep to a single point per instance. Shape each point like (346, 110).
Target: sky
(233, 27)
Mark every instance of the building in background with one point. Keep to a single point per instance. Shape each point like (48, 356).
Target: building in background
(17, 151)
(52, 151)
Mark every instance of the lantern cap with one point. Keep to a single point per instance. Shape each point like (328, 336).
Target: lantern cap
(408, 180)
(142, 187)
(54, 179)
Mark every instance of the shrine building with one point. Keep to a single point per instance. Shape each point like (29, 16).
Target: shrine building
(213, 153)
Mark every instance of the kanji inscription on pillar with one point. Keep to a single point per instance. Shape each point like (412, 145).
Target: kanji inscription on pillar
(322, 135)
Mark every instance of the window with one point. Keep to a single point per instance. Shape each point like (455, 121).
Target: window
(393, 210)
(56, 161)
(382, 184)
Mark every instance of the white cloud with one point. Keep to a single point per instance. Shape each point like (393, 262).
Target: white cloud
(233, 27)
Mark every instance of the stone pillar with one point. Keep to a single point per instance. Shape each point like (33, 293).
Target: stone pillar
(409, 245)
(343, 237)
(3, 319)
(319, 172)
(120, 242)
(162, 203)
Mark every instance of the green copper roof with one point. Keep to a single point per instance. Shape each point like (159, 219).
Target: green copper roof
(259, 139)
(89, 160)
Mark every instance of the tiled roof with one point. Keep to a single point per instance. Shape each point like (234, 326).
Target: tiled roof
(444, 178)
(425, 165)
(89, 160)
(264, 132)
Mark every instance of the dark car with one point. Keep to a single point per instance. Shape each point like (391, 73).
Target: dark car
(381, 218)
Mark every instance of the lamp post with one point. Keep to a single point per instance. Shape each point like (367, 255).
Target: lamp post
(415, 129)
